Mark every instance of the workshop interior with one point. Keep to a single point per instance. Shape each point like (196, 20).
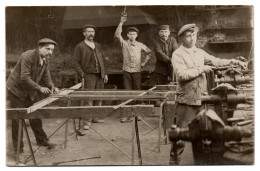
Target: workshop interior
(129, 126)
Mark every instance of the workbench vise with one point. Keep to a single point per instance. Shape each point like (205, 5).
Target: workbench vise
(208, 133)
(226, 93)
(232, 75)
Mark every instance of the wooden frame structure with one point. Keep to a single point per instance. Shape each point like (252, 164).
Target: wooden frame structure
(77, 112)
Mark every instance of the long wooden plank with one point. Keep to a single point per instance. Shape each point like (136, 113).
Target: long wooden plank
(49, 100)
(118, 92)
(108, 97)
(74, 112)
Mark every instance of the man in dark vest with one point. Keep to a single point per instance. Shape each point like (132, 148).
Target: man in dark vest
(89, 63)
(30, 79)
(164, 45)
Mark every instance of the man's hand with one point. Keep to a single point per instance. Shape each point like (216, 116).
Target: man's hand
(55, 90)
(143, 64)
(45, 90)
(105, 79)
(123, 19)
(242, 64)
(207, 68)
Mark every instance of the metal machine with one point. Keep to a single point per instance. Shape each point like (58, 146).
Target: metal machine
(208, 135)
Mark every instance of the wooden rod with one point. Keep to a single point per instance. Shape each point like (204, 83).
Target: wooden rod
(108, 97)
(130, 100)
(49, 100)
(74, 112)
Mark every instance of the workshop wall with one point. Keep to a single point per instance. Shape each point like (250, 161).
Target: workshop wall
(225, 31)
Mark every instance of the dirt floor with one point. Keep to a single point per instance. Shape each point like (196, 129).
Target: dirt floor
(93, 145)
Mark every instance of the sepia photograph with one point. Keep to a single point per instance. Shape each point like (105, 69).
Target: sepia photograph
(129, 85)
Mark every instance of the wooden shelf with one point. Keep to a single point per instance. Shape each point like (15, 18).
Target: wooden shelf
(223, 42)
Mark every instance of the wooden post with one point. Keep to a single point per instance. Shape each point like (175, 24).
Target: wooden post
(19, 141)
(160, 126)
(75, 129)
(133, 140)
(164, 125)
(66, 127)
(29, 142)
(138, 141)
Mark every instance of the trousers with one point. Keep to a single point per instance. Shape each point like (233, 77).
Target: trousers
(161, 79)
(132, 81)
(91, 82)
(184, 115)
(36, 124)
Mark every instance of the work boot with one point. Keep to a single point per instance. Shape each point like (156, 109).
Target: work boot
(87, 121)
(126, 119)
(80, 132)
(139, 118)
(97, 120)
(47, 144)
(175, 159)
(86, 127)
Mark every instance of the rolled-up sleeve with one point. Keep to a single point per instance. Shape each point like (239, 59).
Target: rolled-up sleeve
(212, 60)
(145, 49)
(118, 35)
(181, 71)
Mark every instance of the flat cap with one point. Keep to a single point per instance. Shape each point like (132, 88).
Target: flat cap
(132, 29)
(46, 41)
(89, 26)
(187, 27)
(163, 27)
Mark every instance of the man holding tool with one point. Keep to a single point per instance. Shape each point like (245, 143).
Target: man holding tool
(29, 79)
(89, 64)
(164, 45)
(190, 65)
(132, 52)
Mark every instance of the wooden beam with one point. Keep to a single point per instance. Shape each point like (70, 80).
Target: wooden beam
(80, 112)
(130, 100)
(108, 97)
(170, 95)
(49, 100)
(151, 93)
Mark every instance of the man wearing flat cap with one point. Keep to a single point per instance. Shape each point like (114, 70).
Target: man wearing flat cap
(88, 62)
(190, 65)
(132, 52)
(164, 45)
(29, 80)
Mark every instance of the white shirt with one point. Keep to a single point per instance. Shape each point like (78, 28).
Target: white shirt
(90, 44)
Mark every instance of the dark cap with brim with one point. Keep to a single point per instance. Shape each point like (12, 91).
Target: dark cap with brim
(187, 27)
(132, 29)
(46, 41)
(163, 27)
(89, 26)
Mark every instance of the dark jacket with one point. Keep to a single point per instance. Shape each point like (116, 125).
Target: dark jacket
(26, 77)
(82, 55)
(163, 52)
